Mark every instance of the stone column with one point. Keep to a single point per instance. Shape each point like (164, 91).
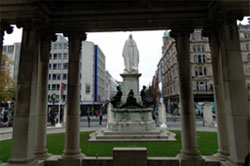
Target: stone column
(189, 140)
(22, 148)
(236, 99)
(219, 96)
(72, 136)
(42, 95)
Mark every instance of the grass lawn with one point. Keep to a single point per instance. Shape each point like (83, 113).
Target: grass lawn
(207, 143)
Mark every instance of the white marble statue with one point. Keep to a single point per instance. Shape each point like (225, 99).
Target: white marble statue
(131, 56)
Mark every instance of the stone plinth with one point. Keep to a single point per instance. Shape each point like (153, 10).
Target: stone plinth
(207, 115)
(134, 124)
(137, 119)
(131, 81)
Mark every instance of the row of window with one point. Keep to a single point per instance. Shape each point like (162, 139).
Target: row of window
(58, 66)
(64, 76)
(199, 59)
(57, 87)
(198, 48)
(59, 46)
(200, 71)
(58, 76)
(59, 56)
(204, 86)
(8, 49)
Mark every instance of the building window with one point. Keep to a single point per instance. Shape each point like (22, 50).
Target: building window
(54, 76)
(65, 66)
(199, 59)
(65, 55)
(196, 71)
(10, 49)
(247, 35)
(4, 48)
(59, 56)
(201, 86)
(211, 87)
(204, 59)
(55, 46)
(195, 59)
(205, 70)
(53, 87)
(64, 76)
(200, 71)
(87, 88)
(57, 86)
(248, 47)
(54, 66)
(59, 66)
(65, 46)
(55, 56)
(58, 76)
(248, 57)
(60, 46)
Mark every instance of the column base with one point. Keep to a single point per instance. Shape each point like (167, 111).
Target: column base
(189, 155)
(73, 155)
(17, 162)
(222, 155)
(43, 155)
(230, 162)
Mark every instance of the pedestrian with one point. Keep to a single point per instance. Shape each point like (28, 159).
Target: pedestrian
(88, 117)
(100, 119)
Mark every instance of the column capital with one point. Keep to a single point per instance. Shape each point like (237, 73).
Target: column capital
(47, 34)
(4, 26)
(75, 34)
(209, 30)
(180, 31)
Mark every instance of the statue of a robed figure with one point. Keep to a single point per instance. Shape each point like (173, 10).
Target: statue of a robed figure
(131, 56)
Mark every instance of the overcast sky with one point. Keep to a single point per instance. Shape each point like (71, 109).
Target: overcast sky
(149, 44)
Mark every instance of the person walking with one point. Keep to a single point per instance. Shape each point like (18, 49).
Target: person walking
(88, 117)
(100, 119)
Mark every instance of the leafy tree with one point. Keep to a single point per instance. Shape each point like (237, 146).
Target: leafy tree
(7, 84)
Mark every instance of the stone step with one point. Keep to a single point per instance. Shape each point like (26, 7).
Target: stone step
(132, 133)
(131, 137)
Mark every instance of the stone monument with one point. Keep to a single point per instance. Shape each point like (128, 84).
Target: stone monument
(207, 115)
(130, 120)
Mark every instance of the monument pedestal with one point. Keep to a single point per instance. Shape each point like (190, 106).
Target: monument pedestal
(131, 81)
(132, 124)
(137, 119)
